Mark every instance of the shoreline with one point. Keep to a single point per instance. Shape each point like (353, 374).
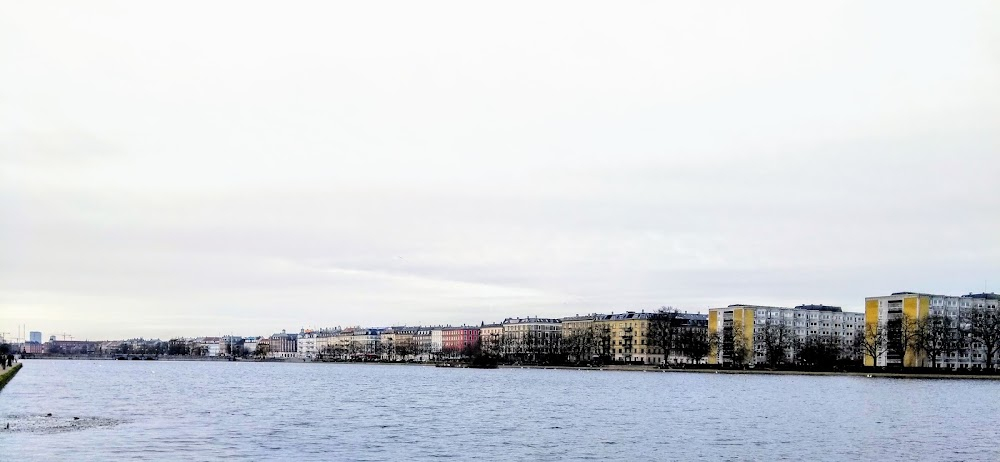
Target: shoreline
(608, 368)
(884, 375)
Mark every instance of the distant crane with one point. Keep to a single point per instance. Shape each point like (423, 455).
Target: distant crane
(3, 336)
(64, 335)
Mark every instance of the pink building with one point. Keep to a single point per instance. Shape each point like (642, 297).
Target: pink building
(456, 339)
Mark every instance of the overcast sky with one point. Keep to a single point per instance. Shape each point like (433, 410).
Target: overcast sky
(204, 168)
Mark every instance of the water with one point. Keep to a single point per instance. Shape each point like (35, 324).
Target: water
(161, 410)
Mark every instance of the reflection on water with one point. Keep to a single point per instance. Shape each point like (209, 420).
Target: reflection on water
(160, 410)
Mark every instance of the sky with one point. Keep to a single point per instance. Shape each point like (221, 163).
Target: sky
(190, 168)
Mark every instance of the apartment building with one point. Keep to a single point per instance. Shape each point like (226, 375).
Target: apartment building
(491, 336)
(455, 340)
(531, 338)
(888, 313)
(747, 325)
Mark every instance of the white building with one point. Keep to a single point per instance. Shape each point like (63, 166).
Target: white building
(802, 321)
(885, 310)
(306, 345)
(437, 340)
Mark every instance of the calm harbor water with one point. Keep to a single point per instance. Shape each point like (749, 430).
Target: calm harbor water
(161, 410)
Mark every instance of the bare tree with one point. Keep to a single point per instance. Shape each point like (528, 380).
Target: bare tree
(871, 340)
(735, 345)
(936, 335)
(664, 327)
(579, 344)
(694, 342)
(262, 350)
(602, 339)
(983, 328)
(777, 339)
(900, 337)
(819, 351)
(404, 348)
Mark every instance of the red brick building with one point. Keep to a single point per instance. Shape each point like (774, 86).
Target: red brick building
(456, 339)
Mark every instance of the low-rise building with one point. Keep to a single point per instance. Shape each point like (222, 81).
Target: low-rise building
(71, 347)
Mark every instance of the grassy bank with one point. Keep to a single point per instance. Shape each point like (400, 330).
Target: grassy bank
(8, 374)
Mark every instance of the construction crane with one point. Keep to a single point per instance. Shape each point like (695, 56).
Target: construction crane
(64, 335)
(3, 336)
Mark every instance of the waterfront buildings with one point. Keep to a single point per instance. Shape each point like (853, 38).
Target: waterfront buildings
(397, 343)
(305, 344)
(437, 340)
(422, 340)
(531, 338)
(35, 337)
(629, 338)
(33, 348)
(283, 345)
(633, 337)
(71, 347)
(892, 332)
(458, 339)
(208, 346)
(754, 334)
(250, 345)
(896, 323)
(490, 336)
(365, 343)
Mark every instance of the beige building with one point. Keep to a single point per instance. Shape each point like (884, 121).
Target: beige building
(491, 336)
(530, 339)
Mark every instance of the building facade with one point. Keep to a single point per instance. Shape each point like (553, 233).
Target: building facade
(746, 329)
(491, 336)
(437, 340)
(892, 319)
(531, 339)
(305, 344)
(455, 340)
(283, 345)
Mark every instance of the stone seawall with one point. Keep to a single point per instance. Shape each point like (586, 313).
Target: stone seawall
(8, 374)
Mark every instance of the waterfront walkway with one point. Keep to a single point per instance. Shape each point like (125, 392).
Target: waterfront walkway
(873, 374)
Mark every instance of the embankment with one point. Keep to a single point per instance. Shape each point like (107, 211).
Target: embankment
(8, 374)
(888, 375)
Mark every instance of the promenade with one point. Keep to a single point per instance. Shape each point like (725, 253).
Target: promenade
(641, 368)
